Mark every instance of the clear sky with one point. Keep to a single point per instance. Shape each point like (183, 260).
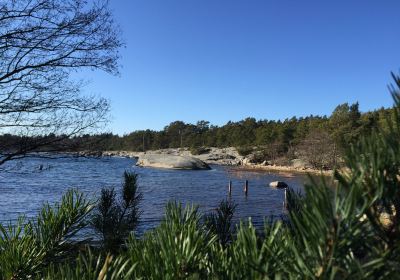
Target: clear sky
(221, 60)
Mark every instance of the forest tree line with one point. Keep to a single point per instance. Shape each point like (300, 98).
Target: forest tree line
(320, 140)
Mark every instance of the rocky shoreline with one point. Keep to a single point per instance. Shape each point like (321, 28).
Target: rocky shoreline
(221, 156)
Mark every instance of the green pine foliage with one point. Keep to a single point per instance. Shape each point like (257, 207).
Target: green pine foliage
(178, 249)
(89, 266)
(28, 247)
(219, 222)
(113, 219)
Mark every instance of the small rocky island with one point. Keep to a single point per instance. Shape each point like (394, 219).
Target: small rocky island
(171, 162)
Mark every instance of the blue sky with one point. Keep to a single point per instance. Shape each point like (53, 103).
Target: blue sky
(221, 60)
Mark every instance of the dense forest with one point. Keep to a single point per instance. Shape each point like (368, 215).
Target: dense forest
(319, 140)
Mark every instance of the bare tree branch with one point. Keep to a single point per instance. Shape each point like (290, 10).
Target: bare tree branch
(41, 43)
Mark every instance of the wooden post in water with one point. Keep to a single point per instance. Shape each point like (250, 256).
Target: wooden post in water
(246, 187)
(230, 187)
(285, 201)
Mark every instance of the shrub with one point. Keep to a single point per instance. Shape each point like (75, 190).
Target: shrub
(28, 247)
(89, 266)
(220, 222)
(114, 219)
(244, 151)
(177, 249)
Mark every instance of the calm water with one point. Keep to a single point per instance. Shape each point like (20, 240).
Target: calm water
(24, 188)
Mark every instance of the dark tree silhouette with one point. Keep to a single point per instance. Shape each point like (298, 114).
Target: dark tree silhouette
(42, 42)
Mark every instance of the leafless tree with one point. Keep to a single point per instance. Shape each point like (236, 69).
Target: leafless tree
(319, 149)
(42, 43)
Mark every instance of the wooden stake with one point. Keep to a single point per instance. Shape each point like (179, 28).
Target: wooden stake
(285, 201)
(230, 187)
(246, 187)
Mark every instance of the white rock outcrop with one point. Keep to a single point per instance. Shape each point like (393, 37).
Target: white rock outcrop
(171, 161)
